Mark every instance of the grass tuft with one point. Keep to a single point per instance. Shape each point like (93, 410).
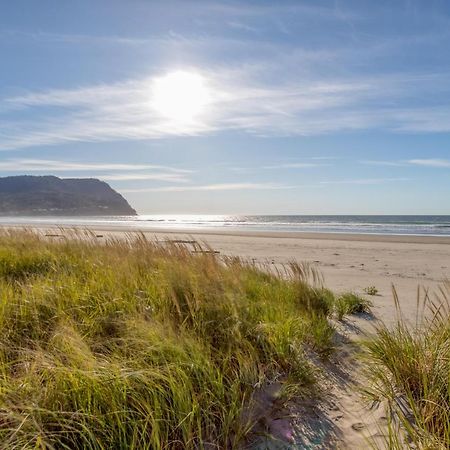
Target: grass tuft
(371, 290)
(410, 368)
(351, 303)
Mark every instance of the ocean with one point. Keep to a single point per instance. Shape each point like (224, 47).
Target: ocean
(393, 225)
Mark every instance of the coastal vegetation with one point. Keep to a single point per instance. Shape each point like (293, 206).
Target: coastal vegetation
(137, 344)
(371, 290)
(351, 303)
(409, 367)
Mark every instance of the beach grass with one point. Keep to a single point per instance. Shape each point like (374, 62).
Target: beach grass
(351, 303)
(137, 344)
(371, 290)
(409, 366)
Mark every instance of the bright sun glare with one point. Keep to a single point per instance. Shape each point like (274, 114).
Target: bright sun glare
(180, 96)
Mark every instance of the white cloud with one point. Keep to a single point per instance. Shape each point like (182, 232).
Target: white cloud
(85, 39)
(364, 181)
(306, 106)
(169, 177)
(382, 163)
(213, 187)
(41, 165)
(292, 166)
(425, 162)
(281, 166)
(441, 163)
(263, 186)
(242, 26)
(324, 158)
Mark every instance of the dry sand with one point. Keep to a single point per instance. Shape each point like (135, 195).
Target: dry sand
(343, 420)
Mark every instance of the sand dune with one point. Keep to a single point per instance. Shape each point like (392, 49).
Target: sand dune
(349, 263)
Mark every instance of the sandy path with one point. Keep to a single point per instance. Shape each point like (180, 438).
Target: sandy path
(339, 418)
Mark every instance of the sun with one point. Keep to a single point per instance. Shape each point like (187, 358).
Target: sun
(180, 96)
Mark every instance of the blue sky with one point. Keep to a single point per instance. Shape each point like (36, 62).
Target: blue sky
(313, 107)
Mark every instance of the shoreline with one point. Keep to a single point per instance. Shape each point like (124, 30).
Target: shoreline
(334, 236)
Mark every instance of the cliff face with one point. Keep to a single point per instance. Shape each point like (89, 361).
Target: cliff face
(48, 195)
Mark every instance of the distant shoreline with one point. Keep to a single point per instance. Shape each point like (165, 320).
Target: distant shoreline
(335, 236)
(398, 228)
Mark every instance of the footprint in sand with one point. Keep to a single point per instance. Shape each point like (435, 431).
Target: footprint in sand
(358, 426)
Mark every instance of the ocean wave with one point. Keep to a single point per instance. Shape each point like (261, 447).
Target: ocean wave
(395, 225)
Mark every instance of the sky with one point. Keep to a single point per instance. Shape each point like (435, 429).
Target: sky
(233, 107)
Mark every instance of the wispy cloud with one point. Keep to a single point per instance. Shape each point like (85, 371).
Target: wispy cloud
(264, 186)
(324, 158)
(123, 111)
(213, 187)
(441, 163)
(272, 9)
(242, 26)
(292, 166)
(168, 177)
(280, 166)
(424, 162)
(371, 162)
(364, 181)
(262, 84)
(21, 164)
(89, 39)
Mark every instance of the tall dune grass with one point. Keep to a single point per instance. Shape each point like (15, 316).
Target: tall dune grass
(410, 368)
(134, 344)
